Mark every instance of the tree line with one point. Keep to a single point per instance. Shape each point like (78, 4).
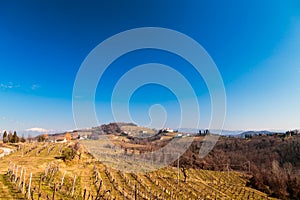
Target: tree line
(12, 137)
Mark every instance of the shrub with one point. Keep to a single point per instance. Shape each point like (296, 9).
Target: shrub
(68, 154)
(41, 138)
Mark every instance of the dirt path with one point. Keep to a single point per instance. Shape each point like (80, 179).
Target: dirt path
(6, 151)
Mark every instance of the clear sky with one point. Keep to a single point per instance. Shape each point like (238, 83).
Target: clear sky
(255, 45)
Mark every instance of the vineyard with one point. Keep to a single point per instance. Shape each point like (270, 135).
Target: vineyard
(36, 171)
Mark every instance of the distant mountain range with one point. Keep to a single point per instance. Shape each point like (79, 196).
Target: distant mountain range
(242, 135)
(234, 133)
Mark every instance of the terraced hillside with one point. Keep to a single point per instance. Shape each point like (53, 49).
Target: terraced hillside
(86, 178)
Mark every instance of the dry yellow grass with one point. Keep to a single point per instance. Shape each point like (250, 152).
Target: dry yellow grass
(161, 183)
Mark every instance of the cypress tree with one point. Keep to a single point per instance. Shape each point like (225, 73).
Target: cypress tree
(5, 139)
(9, 137)
(15, 138)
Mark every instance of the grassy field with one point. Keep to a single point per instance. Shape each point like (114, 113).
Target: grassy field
(90, 177)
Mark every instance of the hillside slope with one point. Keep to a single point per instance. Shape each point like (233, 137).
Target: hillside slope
(86, 177)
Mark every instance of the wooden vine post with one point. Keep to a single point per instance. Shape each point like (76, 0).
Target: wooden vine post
(39, 190)
(23, 187)
(73, 186)
(16, 173)
(20, 180)
(84, 193)
(99, 190)
(62, 180)
(54, 190)
(135, 193)
(29, 186)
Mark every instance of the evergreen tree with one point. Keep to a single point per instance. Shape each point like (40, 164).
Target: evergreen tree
(10, 136)
(5, 138)
(15, 138)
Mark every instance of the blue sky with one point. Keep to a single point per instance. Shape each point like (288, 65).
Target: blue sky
(255, 45)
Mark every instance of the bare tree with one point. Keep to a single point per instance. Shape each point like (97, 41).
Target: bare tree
(183, 169)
